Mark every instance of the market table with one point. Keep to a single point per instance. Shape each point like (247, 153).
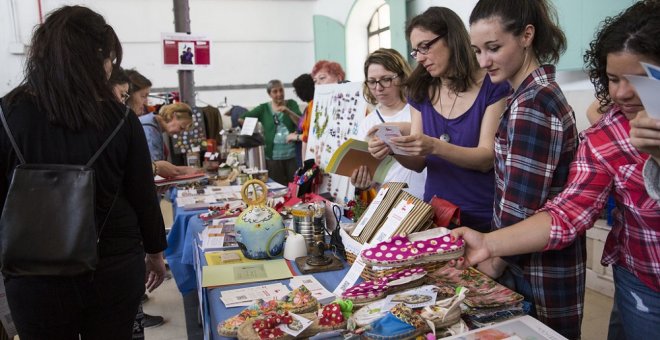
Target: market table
(211, 308)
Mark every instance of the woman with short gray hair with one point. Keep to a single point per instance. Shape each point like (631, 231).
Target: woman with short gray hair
(279, 118)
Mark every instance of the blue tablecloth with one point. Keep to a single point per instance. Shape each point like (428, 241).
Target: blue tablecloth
(214, 309)
(182, 253)
(179, 252)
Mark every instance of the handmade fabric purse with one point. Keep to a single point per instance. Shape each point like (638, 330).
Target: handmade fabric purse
(60, 239)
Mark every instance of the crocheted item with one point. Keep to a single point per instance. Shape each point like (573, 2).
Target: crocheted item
(368, 291)
(229, 327)
(331, 315)
(266, 326)
(426, 246)
(401, 322)
(299, 300)
(445, 312)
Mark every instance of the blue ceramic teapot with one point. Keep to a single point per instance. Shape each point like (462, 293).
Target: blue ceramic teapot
(259, 229)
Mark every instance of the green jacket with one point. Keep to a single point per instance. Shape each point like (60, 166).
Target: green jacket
(264, 114)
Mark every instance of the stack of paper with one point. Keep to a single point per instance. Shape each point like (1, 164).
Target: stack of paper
(218, 235)
(248, 296)
(318, 291)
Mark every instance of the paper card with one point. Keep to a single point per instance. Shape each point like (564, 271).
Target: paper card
(386, 133)
(370, 212)
(653, 71)
(213, 241)
(647, 89)
(249, 124)
(298, 325)
(351, 277)
(246, 296)
(315, 287)
(393, 220)
(413, 298)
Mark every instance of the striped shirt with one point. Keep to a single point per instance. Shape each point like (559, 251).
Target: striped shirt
(534, 145)
(607, 163)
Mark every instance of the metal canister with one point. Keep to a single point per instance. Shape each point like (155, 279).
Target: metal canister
(303, 221)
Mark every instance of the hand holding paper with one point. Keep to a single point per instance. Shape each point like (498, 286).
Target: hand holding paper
(645, 134)
(386, 133)
(648, 88)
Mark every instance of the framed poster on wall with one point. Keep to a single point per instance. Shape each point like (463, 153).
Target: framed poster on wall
(186, 51)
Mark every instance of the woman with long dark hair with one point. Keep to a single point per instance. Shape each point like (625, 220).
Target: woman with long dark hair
(61, 114)
(454, 109)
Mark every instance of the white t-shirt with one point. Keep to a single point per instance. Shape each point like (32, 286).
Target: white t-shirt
(397, 173)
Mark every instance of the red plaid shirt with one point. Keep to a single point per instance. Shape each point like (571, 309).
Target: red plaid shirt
(534, 146)
(607, 163)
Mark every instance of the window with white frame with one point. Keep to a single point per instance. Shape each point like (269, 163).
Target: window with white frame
(378, 30)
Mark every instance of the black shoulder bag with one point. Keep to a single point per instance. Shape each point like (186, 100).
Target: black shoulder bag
(60, 239)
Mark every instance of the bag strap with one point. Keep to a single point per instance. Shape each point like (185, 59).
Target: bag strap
(107, 141)
(11, 137)
(98, 235)
(91, 161)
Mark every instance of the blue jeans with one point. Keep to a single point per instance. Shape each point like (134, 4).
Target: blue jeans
(637, 308)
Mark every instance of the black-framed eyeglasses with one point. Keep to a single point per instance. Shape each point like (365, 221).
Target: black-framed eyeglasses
(124, 97)
(383, 82)
(424, 48)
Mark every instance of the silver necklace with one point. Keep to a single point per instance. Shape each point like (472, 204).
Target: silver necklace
(445, 136)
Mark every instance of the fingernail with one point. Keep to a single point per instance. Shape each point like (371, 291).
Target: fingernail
(461, 259)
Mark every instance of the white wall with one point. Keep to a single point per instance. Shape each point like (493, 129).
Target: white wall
(253, 41)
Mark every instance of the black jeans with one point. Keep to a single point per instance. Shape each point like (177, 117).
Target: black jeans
(102, 306)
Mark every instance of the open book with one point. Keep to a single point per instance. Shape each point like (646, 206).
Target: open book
(354, 153)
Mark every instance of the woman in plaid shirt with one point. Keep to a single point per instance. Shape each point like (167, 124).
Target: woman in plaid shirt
(606, 163)
(534, 146)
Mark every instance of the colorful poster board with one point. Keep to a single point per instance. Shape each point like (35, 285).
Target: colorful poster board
(336, 115)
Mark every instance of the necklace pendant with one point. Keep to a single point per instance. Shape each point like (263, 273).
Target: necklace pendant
(445, 137)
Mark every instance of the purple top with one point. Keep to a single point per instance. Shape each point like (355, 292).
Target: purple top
(471, 190)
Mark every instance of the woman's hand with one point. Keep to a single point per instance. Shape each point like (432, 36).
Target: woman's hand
(189, 170)
(476, 250)
(361, 178)
(166, 169)
(645, 135)
(416, 144)
(378, 149)
(292, 137)
(280, 107)
(156, 271)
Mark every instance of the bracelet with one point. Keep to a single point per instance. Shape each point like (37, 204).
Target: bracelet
(154, 167)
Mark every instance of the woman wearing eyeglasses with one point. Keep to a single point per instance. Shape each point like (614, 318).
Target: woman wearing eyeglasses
(385, 71)
(454, 109)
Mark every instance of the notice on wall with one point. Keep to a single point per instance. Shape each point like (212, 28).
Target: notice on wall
(185, 51)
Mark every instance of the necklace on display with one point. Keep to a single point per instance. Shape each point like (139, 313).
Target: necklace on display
(445, 136)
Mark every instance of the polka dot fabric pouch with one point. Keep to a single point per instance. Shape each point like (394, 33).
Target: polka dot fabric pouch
(433, 245)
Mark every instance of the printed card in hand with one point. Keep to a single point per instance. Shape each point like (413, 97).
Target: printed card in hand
(386, 133)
